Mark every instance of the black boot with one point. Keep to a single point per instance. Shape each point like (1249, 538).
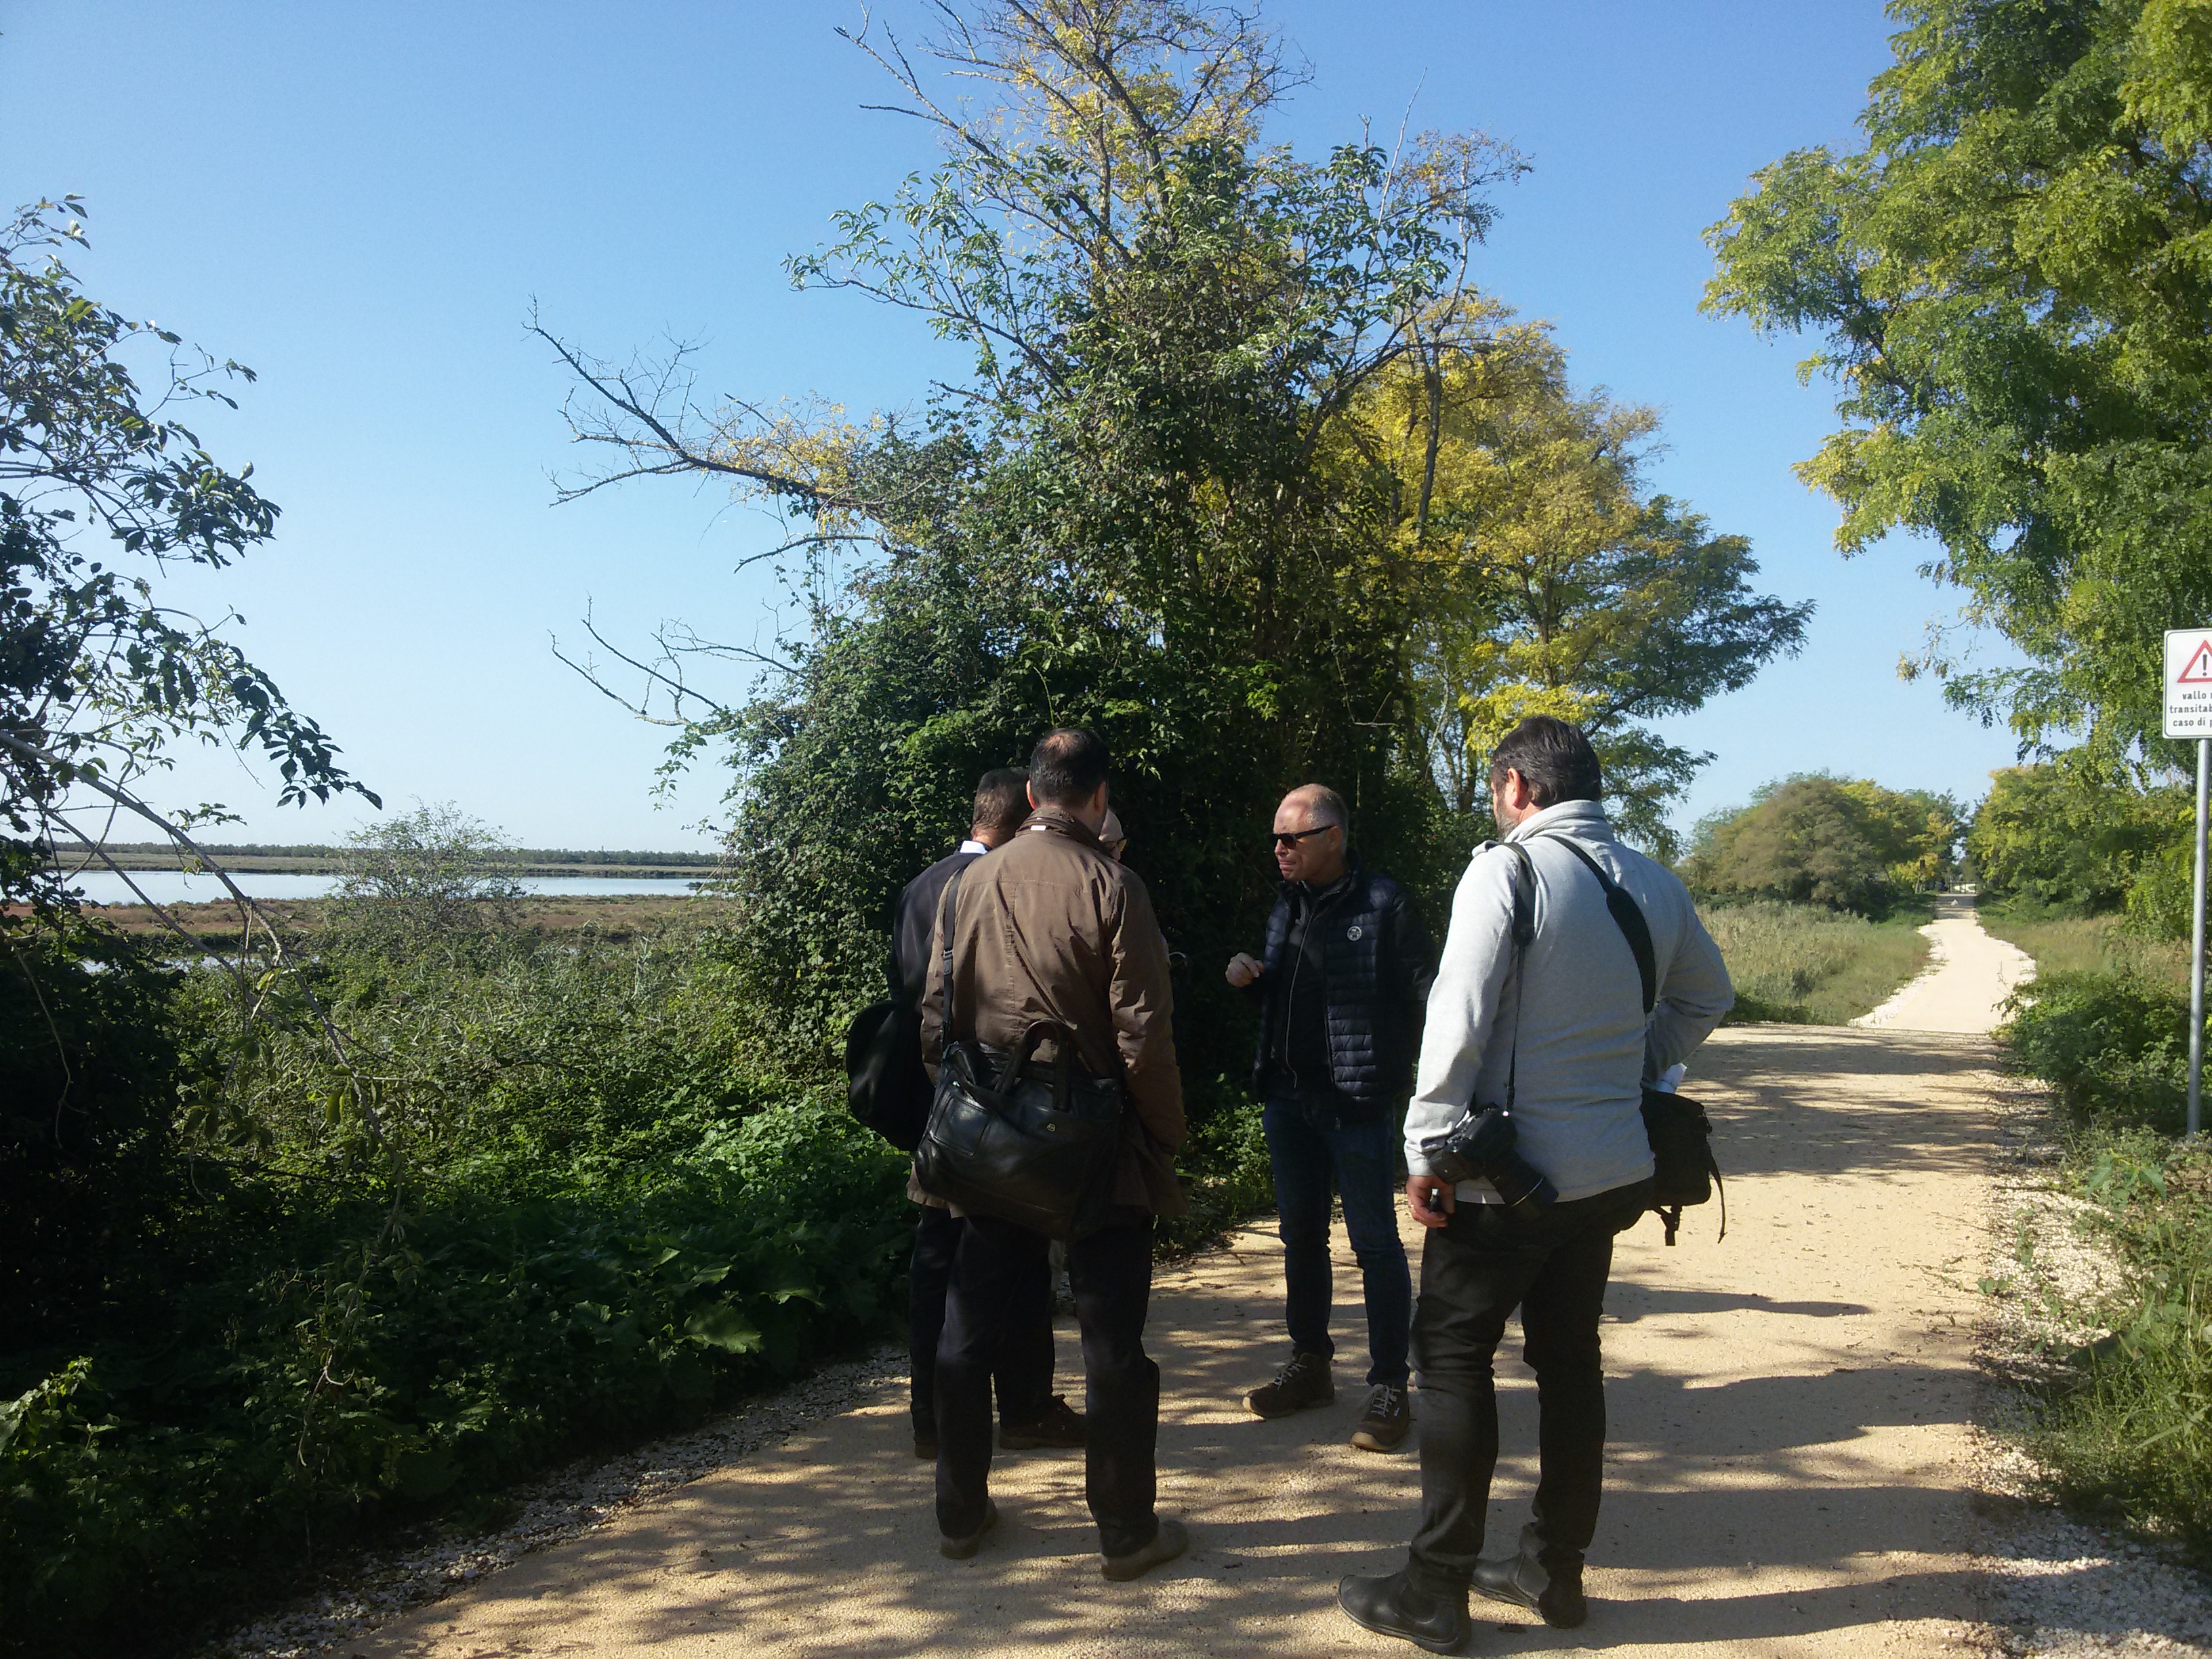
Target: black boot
(1546, 1581)
(1396, 1607)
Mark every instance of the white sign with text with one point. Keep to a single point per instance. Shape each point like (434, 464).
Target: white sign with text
(2189, 683)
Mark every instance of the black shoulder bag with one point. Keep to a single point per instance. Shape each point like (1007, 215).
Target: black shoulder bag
(886, 1086)
(1009, 1136)
(1681, 1135)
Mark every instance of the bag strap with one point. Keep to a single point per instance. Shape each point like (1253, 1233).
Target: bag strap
(1063, 1040)
(1523, 930)
(1628, 916)
(947, 909)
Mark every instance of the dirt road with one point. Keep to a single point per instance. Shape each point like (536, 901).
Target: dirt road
(1786, 1474)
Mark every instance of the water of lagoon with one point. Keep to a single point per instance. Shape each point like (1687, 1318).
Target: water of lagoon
(175, 887)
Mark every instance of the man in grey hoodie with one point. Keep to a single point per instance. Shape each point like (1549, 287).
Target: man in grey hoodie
(1569, 1046)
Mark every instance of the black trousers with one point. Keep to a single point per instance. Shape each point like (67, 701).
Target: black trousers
(1023, 1367)
(1553, 1264)
(1111, 1272)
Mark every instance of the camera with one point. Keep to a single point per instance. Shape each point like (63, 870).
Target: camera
(1481, 1144)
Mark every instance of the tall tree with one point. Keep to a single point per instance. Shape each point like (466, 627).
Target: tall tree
(102, 488)
(1148, 510)
(2011, 281)
(1549, 581)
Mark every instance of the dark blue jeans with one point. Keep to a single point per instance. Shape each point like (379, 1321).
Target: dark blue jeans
(1311, 1151)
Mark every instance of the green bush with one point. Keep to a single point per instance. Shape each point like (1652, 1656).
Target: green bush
(2115, 1045)
(2057, 837)
(183, 1467)
(2127, 1430)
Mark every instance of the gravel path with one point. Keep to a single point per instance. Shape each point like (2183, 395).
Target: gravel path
(370, 1590)
(1796, 1463)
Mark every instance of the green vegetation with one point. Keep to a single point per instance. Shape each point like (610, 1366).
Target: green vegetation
(1805, 965)
(2061, 838)
(2064, 942)
(2121, 1427)
(1246, 477)
(2126, 1430)
(2010, 283)
(1842, 844)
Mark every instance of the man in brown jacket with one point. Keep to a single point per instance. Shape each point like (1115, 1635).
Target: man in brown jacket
(1049, 928)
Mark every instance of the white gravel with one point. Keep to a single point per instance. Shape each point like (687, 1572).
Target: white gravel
(2060, 1588)
(367, 1588)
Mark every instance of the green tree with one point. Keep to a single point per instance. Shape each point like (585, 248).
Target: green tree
(2060, 837)
(102, 488)
(417, 878)
(1847, 844)
(2011, 281)
(1548, 580)
(1156, 507)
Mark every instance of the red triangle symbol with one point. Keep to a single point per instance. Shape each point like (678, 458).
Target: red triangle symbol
(2199, 668)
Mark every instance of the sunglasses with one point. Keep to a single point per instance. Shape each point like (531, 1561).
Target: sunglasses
(1292, 837)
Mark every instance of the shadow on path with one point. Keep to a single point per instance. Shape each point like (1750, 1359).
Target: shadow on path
(1788, 1426)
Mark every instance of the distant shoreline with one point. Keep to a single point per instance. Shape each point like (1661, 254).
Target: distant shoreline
(331, 861)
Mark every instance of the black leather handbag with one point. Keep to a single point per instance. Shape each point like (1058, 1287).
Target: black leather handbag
(1008, 1136)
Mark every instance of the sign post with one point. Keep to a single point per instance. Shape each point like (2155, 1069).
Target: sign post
(2189, 715)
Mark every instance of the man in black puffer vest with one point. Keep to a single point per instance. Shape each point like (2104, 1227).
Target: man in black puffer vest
(1345, 976)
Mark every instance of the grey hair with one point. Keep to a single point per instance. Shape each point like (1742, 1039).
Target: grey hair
(1328, 807)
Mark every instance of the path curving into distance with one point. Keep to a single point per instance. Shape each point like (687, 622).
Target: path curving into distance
(1789, 1471)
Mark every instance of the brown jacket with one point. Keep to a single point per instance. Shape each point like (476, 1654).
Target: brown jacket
(1051, 929)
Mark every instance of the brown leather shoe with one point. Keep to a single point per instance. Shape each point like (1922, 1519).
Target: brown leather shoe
(1304, 1381)
(1056, 1426)
(1384, 1425)
(1169, 1541)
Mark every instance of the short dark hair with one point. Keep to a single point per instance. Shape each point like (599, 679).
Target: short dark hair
(1067, 766)
(1553, 758)
(1002, 801)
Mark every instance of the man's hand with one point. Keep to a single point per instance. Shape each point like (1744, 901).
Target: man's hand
(1243, 970)
(1430, 1200)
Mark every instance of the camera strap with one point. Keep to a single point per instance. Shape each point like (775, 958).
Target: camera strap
(1523, 930)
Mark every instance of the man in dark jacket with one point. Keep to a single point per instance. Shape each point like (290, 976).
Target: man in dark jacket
(1344, 974)
(1050, 930)
(1029, 1413)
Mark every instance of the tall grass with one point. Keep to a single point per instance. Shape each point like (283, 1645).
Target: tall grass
(2127, 1428)
(2062, 944)
(2124, 1427)
(1805, 965)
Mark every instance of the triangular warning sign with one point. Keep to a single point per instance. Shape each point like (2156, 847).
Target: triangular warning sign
(2198, 669)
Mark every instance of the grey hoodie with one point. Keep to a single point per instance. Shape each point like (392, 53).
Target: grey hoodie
(1585, 1046)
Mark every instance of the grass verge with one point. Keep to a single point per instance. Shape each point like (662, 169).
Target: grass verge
(2064, 943)
(1805, 965)
(2122, 1423)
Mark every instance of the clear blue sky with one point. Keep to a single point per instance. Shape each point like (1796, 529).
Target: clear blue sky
(361, 202)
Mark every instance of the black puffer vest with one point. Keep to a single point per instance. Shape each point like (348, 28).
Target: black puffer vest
(1377, 968)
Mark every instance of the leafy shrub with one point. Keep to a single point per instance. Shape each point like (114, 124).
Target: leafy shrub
(180, 1468)
(2056, 837)
(2116, 1046)
(2128, 1429)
